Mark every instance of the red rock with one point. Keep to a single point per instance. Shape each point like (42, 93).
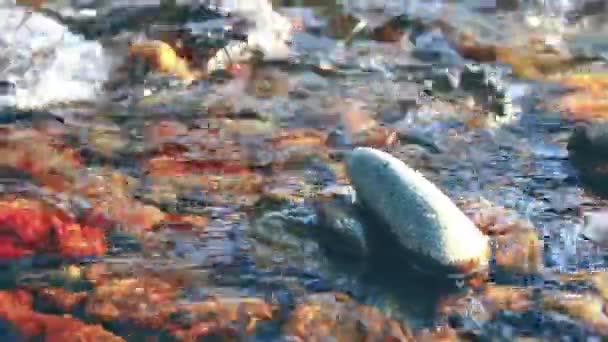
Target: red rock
(77, 241)
(10, 249)
(12, 302)
(30, 225)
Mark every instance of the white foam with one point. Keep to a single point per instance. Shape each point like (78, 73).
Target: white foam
(270, 33)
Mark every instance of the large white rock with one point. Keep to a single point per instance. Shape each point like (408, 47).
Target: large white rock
(48, 63)
(423, 219)
(595, 227)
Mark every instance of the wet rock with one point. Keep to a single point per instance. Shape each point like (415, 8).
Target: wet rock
(445, 80)
(473, 77)
(488, 89)
(434, 227)
(341, 229)
(285, 227)
(431, 46)
(117, 17)
(418, 137)
(311, 81)
(146, 301)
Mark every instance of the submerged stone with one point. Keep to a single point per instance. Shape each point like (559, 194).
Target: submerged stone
(417, 214)
(587, 153)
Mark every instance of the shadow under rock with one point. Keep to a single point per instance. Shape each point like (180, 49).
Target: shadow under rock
(394, 280)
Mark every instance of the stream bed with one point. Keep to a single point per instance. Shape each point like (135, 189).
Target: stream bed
(149, 209)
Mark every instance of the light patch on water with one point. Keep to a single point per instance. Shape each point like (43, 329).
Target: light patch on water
(569, 237)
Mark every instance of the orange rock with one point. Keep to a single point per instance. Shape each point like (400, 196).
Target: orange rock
(389, 32)
(336, 316)
(477, 52)
(157, 133)
(27, 220)
(584, 106)
(66, 329)
(31, 3)
(146, 301)
(61, 329)
(341, 25)
(185, 222)
(224, 312)
(229, 308)
(16, 308)
(377, 137)
(49, 163)
(299, 137)
(163, 59)
(518, 248)
(585, 307)
(506, 298)
(591, 83)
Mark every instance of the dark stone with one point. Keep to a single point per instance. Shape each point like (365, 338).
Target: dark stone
(445, 80)
(7, 88)
(588, 153)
